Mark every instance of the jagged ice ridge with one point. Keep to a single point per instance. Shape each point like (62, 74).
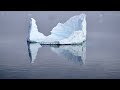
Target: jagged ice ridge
(73, 31)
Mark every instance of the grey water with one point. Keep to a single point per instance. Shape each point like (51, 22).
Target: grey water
(98, 58)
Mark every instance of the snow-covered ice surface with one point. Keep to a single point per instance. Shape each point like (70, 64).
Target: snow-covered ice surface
(75, 53)
(73, 31)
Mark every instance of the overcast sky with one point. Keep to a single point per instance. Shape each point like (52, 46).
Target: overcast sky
(15, 23)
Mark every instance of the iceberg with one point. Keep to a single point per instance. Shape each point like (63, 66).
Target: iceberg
(75, 53)
(73, 31)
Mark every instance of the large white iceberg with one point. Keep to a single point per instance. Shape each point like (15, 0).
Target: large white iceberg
(72, 31)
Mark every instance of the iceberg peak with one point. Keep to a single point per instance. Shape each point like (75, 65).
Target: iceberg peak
(34, 34)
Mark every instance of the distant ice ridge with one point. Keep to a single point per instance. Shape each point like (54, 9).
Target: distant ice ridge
(73, 31)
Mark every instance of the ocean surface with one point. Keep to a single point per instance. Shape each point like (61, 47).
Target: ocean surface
(97, 58)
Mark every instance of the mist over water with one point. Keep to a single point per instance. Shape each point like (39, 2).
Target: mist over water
(99, 57)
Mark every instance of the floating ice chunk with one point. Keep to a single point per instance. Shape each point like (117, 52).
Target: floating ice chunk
(72, 31)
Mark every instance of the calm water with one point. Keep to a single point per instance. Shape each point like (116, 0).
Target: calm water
(98, 57)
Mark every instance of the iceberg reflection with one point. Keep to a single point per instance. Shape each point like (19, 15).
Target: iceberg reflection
(75, 53)
(32, 50)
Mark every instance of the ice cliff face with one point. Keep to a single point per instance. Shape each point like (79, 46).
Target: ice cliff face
(34, 34)
(72, 31)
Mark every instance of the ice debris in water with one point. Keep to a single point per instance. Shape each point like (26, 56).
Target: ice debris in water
(72, 31)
